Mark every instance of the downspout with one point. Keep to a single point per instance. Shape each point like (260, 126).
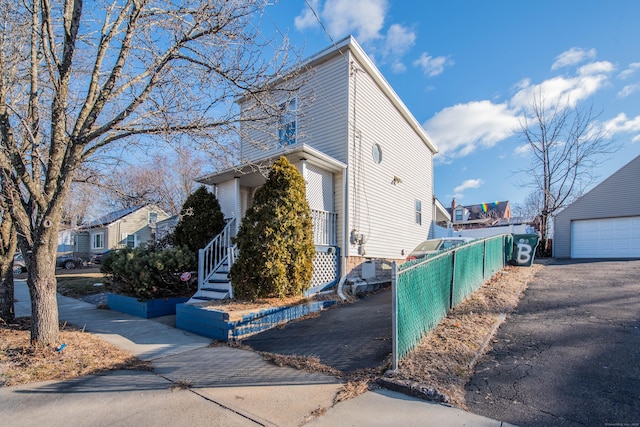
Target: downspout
(345, 202)
(345, 227)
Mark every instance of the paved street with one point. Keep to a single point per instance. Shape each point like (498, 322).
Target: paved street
(569, 355)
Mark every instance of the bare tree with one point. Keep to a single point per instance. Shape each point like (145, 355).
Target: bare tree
(82, 79)
(8, 242)
(530, 207)
(164, 180)
(566, 147)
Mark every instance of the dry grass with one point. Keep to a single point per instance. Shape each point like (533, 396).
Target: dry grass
(84, 354)
(443, 362)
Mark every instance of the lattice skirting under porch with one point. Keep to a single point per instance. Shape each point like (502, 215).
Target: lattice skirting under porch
(326, 266)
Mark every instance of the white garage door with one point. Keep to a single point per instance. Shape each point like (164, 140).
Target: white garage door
(606, 238)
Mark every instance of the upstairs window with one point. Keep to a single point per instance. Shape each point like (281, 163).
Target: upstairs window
(418, 212)
(153, 218)
(287, 125)
(459, 215)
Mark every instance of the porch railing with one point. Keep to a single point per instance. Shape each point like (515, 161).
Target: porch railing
(216, 253)
(324, 227)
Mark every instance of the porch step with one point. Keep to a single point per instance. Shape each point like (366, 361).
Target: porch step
(220, 290)
(209, 294)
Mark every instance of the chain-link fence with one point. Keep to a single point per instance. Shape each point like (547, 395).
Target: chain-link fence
(424, 291)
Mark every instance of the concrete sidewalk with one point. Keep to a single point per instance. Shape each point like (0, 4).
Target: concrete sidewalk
(195, 384)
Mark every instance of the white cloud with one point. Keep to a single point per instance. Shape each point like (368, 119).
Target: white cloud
(621, 124)
(595, 68)
(629, 71)
(565, 90)
(399, 40)
(363, 17)
(460, 129)
(523, 150)
(573, 56)
(307, 19)
(398, 67)
(469, 183)
(628, 90)
(432, 66)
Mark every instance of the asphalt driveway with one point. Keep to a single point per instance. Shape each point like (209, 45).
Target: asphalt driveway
(570, 353)
(349, 337)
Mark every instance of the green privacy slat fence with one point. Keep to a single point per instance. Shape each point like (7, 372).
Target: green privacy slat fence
(468, 273)
(424, 291)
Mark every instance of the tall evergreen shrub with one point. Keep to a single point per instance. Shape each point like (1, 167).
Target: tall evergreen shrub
(200, 220)
(275, 240)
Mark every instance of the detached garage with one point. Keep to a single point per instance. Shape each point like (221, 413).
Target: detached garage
(605, 222)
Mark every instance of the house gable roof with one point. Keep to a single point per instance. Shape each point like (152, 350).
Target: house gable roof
(114, 216)
(603, 200)
(349, 43)
(478, 211)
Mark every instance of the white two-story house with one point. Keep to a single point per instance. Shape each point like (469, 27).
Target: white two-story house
(367, 161)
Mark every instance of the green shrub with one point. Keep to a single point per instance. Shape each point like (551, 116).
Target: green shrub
(275, 240)
(200, 221)
(147, 273)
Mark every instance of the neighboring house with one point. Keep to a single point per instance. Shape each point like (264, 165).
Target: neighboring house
(367, 161)
(480, 215)
(124, 228)
(66, 238)
(605, 222)
(166, 227)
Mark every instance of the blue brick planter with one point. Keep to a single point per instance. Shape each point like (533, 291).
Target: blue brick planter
(145, 309)
(216, 324)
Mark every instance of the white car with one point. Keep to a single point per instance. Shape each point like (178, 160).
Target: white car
(19, 265)
(436, 245)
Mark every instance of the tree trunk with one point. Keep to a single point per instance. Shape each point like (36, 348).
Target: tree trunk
(41, 279)
(7, 313)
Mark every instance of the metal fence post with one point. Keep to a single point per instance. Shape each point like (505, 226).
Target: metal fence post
(394, 316)
(452, 286)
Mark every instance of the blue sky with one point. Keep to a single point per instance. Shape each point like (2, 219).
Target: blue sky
(466, 69)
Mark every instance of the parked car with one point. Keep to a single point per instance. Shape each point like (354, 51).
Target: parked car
(69, 262)
(436, 245)
(97, 258)
(19, 266)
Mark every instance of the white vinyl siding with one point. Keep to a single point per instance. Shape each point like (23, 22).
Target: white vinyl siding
(381, 206)
(617, 196)
(322, 108)
(606, 238)
(319, 189)
(228, 197)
